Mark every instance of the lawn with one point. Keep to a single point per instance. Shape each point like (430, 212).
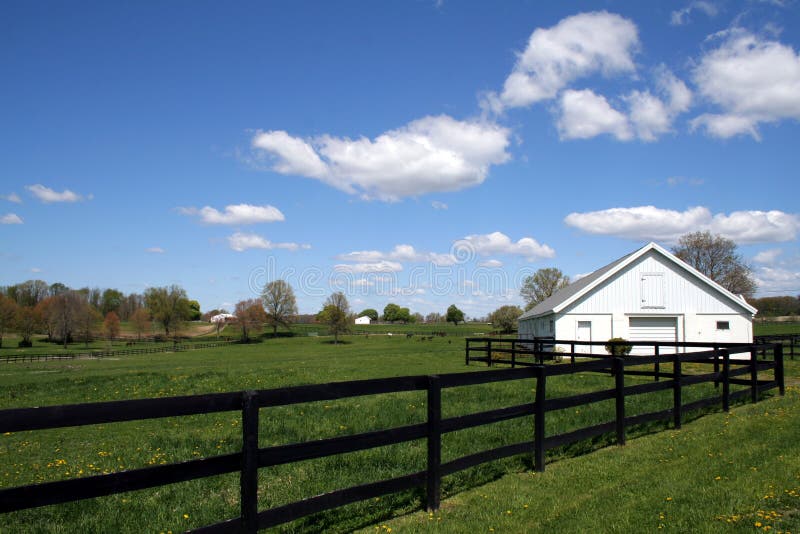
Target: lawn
(27, 457)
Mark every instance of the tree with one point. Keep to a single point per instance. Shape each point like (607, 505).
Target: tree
(141, 322)
(335, 314)
(417, 318)
(716, 257)
(280, 304)
(541, 285)
(27, 321)
(505, 318)
(434, 317)
(194, 311)
(65, 312)
(369, 312)
(250, 316)
(111, 325)
(404, 315)
(8, 315)
(454, 315)
(87, 317)
(390, 312)
(111, 301)
(167, 305)
(44, 310)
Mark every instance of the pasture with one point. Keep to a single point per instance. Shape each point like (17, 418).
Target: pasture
(27, 457)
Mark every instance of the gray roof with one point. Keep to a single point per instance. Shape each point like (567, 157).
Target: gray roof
(565, 293)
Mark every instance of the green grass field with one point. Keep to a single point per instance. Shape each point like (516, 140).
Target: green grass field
(27, 457)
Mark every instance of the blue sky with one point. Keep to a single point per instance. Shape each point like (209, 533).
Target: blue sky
(423, 153)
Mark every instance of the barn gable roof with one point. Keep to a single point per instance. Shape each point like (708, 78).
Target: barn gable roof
(566, 296)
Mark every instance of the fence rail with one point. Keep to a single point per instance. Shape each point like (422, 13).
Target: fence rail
(251, 457)
(789, 341)
(179, 347)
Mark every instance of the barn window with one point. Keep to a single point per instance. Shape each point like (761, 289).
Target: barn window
(723, 325)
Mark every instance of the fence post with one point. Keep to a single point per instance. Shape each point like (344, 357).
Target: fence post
(572, 353)
(778, 355)
(716, 364)
(619, 387)
(513, 354)
(676, 390)
(489, 353)
(466, 354)
(726, 381)
(248, 479)
(754, 375)
(657, 369)
(538, 423)
(434, 472)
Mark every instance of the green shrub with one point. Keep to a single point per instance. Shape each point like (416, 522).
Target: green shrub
(617, 347)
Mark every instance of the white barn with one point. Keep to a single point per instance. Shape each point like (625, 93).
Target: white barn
(648, 295)
(363, 320)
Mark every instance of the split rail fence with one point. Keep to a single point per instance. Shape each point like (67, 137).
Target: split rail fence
(252, 457)
(179, 347)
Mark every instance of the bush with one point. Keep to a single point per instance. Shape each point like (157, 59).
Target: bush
(618, 346)
(24, 344)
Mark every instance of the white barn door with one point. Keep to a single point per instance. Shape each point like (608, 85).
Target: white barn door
(653, 329)
(583, 332)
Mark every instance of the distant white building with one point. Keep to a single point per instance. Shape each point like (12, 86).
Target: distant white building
(648, 295)
(363, 320)
(222, 317)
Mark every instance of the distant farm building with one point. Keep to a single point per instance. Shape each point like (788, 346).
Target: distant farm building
(222, 317)
(363, 320)
(648, 295)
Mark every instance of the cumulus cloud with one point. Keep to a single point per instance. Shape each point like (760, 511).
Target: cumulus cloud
(649, 222)
(651, 115)
(752, 80)
(243, 241)
(372, 267)
(777, 280)
(578, 46)
(584, 114)
(682, 16)
(12, 197)
(767, 256)
(236, 214)
(10, 218)
(432, 154)
(499, 243)
(155, 250)
(491, 264)
(400, 253)
(47, 195)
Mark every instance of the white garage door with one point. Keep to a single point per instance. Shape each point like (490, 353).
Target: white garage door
(653, 329)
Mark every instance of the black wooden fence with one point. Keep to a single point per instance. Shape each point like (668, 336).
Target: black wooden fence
(789, 342)
(176, 347)
(252, 457)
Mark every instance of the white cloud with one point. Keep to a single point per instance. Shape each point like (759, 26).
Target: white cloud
(47, 195)
(577, 46)
(584, 114)
(35, 270)
(491, 264)
(236, 214)
(751, 80)
(649, 222)
(373, 267)
(12, 197)
(777, 280)
(400, 253)
(499, 243)
(432, 154)
(681, 16)
(242, 241)
(10, 218)
(438, 205)
(767, 256)
(155, 250)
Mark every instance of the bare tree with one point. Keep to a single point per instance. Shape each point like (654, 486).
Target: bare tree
(65, 311)
(250, 315)
(716, 257)
(541, 285)
(280, 304)
(88, 316)
(28, 319)
(336, 314)
(8, 315)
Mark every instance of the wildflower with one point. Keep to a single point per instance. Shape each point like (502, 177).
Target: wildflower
(668, 499)
(186, 516)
